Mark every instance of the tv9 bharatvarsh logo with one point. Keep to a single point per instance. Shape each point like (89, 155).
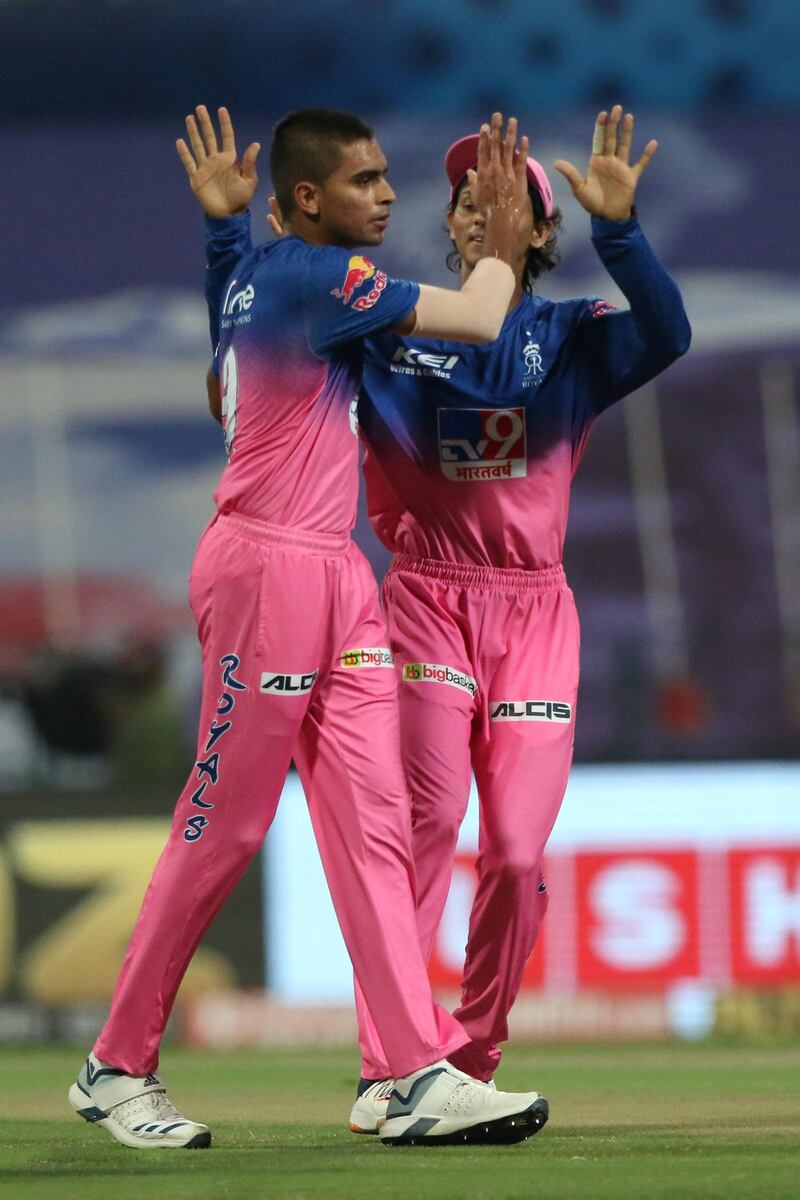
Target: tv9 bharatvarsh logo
(367, 656)
(557, 711)
(420, 672)
(236, 306)
(482, 443)
(359, 270)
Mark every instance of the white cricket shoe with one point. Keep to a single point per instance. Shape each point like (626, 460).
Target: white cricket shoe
(369, 1109)
(135, 1111)
(440, 1105)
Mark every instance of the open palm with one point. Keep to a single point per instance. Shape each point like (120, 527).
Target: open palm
(608, 188)
(223, 184)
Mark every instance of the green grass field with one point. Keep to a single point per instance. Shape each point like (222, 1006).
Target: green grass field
(709, 1121)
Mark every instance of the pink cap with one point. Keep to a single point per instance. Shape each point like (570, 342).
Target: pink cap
(463, 155)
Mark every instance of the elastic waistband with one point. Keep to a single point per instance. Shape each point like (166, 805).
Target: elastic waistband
(490, 579)
(309, 540)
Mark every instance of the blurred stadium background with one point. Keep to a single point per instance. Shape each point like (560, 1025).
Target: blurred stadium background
(675, 867)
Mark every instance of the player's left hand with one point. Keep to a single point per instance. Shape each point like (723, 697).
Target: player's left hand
(610, 183)
(223, 184)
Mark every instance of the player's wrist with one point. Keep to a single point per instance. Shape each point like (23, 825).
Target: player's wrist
(619, 213)
(500, 233)
(222, 223)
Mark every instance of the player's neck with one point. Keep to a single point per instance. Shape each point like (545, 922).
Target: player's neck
(307, 230)
(313, 232)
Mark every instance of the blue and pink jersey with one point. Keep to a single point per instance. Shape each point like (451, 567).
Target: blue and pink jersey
(291, 321)
(470, 450)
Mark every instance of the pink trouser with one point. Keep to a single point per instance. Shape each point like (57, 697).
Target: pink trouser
(489, 660)
(291, 636)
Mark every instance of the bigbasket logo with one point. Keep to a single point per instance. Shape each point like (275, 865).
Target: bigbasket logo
(530, 710)
(438, 673)
(367, 656)
(482, 443)
(276, 681)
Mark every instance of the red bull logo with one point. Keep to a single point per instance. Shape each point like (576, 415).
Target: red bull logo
(358, 271)
(601, 307)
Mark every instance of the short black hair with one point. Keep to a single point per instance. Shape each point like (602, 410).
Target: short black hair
(540, 259)
(307, 144)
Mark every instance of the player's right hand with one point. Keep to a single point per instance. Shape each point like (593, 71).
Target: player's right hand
(500, 182)
(223, 184)
(274, 217)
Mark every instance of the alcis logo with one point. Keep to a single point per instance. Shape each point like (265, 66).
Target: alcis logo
(273, 682)
(530, 710)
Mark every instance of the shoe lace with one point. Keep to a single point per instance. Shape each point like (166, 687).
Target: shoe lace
(163, 1107)
(463, 1097)
(148, 1106)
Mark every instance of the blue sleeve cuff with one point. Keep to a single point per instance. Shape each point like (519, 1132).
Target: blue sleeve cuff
(224, 234)
(602, 229)
(223, 225)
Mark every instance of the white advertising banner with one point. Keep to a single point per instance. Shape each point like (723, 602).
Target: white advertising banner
(660, 878)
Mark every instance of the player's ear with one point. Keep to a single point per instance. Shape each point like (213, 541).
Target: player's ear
(450, 226)
(306, 197)
(540, 234)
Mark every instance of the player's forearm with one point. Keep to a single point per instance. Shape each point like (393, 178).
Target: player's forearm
(473, 314)
(214, 396)
(227, 241)
(655, 302)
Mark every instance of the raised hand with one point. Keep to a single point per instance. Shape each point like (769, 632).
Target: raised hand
(500, 180)
(610, 183)
(222, 183)
(275, 217)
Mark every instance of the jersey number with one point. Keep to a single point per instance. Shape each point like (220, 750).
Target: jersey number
(230, 391)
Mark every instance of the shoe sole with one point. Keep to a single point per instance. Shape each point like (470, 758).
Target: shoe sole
(96, 1116)
(504, 1131)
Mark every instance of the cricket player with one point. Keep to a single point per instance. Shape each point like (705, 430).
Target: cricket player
(295, 654)
(470, 452)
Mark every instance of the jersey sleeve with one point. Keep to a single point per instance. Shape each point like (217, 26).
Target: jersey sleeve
(626, 348)
(347, 297)
(228, 240)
